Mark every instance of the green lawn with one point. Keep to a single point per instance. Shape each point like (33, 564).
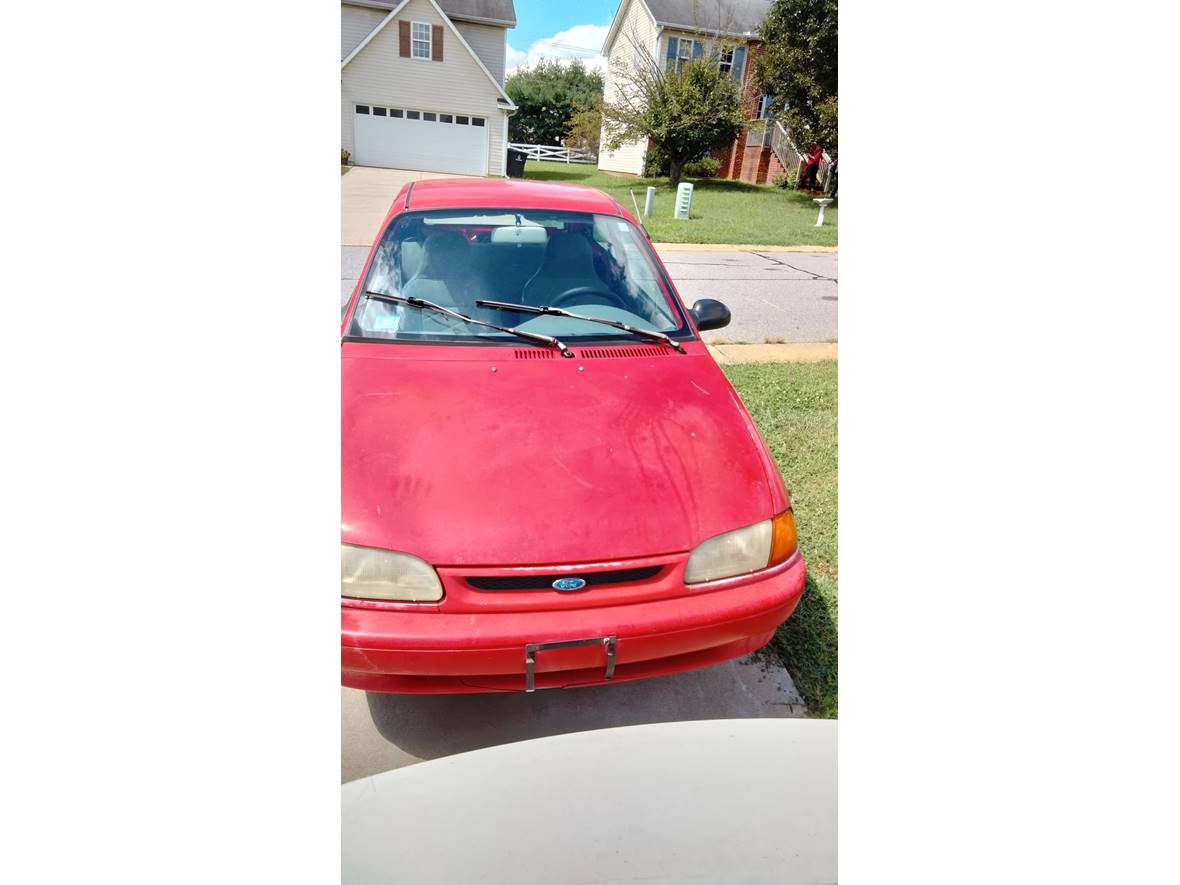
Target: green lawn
(722, 211)
(794, 405)
(344, 169)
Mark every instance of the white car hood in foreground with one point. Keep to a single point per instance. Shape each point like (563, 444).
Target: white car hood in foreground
(731, 800)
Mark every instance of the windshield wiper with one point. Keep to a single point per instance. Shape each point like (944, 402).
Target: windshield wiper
(559, 312)
(423, 304)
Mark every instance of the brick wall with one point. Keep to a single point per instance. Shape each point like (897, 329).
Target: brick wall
(737, 161)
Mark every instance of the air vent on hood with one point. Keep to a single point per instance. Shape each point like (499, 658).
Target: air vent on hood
(534, 354)
(615, 353)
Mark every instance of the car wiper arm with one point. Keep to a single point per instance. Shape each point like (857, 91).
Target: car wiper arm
(423, 304)
(560, 312)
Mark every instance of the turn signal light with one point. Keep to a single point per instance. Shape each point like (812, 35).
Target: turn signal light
(784, 539)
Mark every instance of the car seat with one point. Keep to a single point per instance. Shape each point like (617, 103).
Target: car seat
(445, 276)
(568, 264)
(411, 253)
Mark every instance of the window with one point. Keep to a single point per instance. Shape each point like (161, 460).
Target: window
(362, 108)
(429, 117)
(395, 112)
(680, 50)
(420, 40)
(477, 121)
(411, 115)
(378, 112)
(445, 118)
(462, 121)
(455, 256)
(731, 61)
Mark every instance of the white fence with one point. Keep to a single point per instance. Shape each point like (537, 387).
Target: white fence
(553, 152)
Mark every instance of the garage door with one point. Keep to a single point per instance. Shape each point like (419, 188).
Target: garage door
(430, 141)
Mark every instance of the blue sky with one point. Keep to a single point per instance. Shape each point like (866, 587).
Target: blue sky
(559, 29)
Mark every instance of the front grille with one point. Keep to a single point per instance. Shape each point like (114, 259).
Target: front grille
(545, 582)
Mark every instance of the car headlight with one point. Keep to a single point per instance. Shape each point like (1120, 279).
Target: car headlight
(742, 551)
(369, 573)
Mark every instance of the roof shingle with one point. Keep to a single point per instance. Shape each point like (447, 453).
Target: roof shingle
(736, 17)
(492, 11)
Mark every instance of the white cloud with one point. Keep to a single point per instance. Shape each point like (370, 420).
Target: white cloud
(515, 59)
(581, 42)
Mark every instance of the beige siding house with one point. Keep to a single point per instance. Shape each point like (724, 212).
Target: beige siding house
(633, 24)
(671, 32)
(422, 84)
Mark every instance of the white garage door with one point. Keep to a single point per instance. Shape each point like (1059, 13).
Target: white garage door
(430, 141)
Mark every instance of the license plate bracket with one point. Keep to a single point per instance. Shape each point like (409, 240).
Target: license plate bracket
(609, 643)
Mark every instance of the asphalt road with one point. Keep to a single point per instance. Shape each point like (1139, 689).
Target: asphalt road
(772, 295)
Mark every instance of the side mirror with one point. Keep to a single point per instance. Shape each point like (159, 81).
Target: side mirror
(710, 314)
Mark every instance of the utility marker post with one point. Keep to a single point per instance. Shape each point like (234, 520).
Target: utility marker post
(650, 203)
(683, 201)
(823, 202)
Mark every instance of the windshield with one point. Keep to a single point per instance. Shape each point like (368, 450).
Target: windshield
(596, 265)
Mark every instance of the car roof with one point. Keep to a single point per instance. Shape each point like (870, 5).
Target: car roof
(486, 193)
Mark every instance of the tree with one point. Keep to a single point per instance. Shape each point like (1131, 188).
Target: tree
(585, 128)
(686, 113)
(798, 69)
(548, 95)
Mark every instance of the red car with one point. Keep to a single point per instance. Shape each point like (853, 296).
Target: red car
(547, 481)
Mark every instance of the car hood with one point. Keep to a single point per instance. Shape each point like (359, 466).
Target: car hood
(490, 456)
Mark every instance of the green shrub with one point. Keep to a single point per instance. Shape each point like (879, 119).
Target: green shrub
(786, 181)
(655, 163)
(344, 155)
(706, 167)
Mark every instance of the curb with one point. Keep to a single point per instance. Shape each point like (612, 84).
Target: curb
(729, 354)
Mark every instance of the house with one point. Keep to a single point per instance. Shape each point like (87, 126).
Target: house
(672, 32)
(422, 84)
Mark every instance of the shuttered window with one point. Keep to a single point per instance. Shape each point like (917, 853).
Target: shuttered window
(681, 50)
(420, 41)
(732, 61)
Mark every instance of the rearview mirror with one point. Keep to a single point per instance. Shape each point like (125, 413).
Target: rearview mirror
(519, 235)
(709, 313)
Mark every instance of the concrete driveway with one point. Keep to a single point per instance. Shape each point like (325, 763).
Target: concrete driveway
(380, 732)
(365, 195)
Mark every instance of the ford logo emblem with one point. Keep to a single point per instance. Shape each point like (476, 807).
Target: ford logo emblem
(568, 584)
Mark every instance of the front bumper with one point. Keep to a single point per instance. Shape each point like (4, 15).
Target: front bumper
(431, 652)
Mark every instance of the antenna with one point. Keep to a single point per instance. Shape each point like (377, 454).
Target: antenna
(638, 215)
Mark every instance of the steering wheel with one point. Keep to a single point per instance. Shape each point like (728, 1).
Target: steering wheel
(599, 296)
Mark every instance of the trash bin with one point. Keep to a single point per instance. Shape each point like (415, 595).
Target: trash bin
(516, 163)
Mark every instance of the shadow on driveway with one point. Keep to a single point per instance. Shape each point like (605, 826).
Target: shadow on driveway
(411, 728)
